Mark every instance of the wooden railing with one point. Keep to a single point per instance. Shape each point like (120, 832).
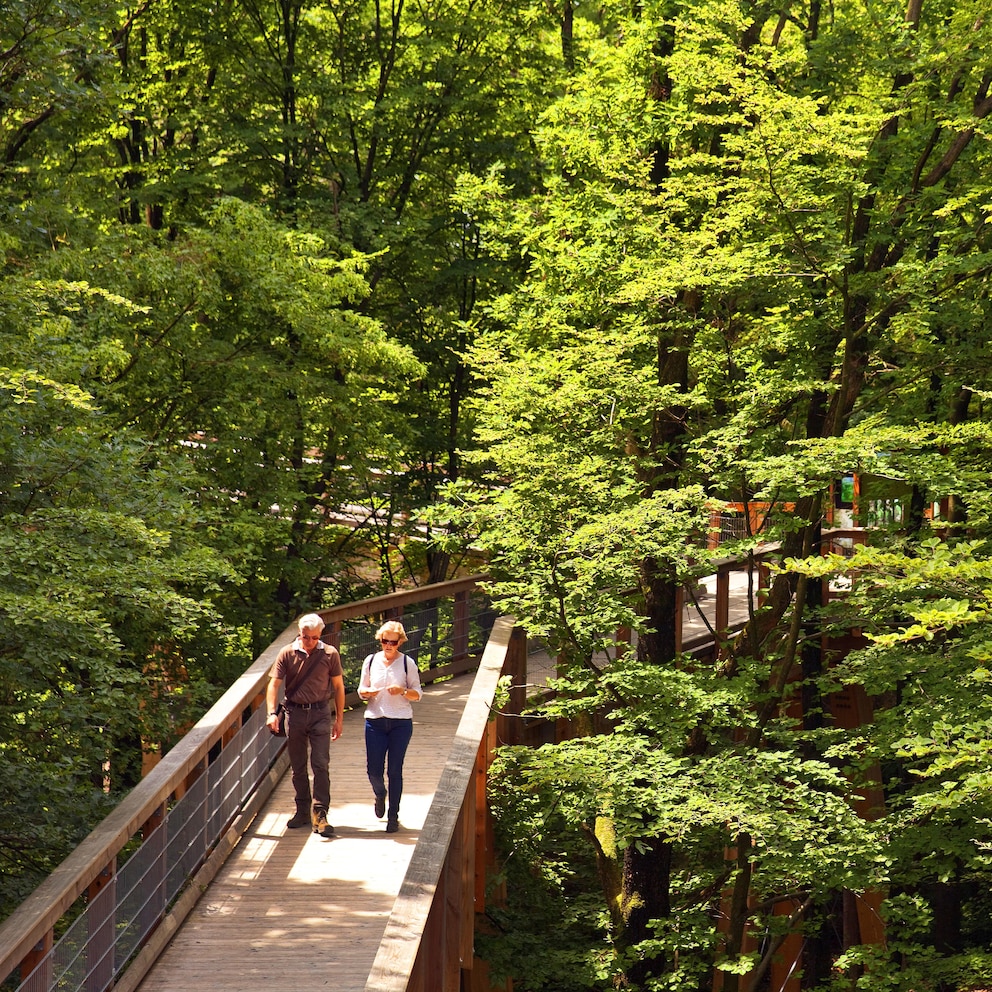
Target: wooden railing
(724, 625)
(226, 750)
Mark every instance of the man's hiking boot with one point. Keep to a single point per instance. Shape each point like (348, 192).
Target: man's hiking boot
(320, 824)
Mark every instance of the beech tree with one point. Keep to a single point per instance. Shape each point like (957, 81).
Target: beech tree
(104, 607)
(348, 121)
(757, 264)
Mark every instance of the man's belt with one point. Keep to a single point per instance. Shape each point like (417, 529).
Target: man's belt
(306, 706)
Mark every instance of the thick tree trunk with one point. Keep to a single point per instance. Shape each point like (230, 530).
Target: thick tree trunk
(646, 880)
(660, 594)
(645, 875)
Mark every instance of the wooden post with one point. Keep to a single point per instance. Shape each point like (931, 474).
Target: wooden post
(722, 617)
(456, 893)
(786, 967)
(622, 639)
(233, 728)
(483, 846)
(36, 968)
(466, 878)
(713, 533)
(460, 624)
(332, 634)
(508, 722)
(154, 834)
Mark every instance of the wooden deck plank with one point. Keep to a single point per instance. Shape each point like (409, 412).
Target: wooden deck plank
(292, 908)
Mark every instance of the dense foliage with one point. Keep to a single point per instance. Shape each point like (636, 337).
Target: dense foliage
(234, 297)
(758, 262)
(276, 273)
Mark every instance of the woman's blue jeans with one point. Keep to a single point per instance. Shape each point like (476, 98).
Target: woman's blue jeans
(386, 741)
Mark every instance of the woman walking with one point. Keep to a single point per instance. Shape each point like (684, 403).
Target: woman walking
(390, 683)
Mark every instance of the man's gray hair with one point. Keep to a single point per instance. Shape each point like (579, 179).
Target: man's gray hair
(312, 621)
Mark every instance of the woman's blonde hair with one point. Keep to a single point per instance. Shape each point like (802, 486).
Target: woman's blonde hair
(392, 627)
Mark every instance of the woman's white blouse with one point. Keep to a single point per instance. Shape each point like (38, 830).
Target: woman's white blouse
(378, 674)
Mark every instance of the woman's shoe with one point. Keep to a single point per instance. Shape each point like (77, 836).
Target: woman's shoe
(392, 826)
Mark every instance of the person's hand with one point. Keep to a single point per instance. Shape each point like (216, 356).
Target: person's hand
(396, 690)
(337, 728)
(273, 721)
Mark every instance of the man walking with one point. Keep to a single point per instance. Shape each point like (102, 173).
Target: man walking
(308, 671)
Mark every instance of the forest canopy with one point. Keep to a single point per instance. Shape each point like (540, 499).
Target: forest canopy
(561, 283)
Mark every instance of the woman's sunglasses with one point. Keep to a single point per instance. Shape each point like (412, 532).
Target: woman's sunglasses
(385, 640)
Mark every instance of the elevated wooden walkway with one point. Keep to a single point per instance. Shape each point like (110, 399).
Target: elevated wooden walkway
(291, 909)
(272, 907)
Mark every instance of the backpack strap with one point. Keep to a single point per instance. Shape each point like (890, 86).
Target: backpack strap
(406, 671)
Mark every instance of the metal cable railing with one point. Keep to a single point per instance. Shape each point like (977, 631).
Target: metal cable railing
(119, 915)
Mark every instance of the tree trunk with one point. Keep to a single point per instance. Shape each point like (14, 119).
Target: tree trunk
(646, 881)
(737, 928)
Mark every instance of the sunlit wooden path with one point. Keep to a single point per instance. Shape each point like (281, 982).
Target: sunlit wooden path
(292, 910)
